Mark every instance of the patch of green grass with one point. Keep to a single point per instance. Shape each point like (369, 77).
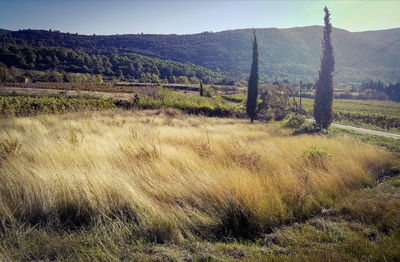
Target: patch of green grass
(390, 144)
(189, 103)
(18, 105)
(155, 98)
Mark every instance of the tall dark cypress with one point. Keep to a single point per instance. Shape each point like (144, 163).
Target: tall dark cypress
(252, 92)
(323, 110)
(201, 88)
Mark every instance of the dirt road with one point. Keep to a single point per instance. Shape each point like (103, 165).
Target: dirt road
(368, 131)
(364, 130)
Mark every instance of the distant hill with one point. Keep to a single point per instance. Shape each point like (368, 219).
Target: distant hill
(292, 53)
(4, 31)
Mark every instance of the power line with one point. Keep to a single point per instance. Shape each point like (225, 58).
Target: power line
(377, 51)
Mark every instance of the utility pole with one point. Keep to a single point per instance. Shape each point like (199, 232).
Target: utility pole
(301, 87)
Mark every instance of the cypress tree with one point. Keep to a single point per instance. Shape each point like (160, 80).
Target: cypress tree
(252, 92)
(323, 111)
(201, 88)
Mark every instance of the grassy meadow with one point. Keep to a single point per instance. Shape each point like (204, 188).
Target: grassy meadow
(162, 185)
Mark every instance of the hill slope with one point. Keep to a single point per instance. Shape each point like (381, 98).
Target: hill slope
(124, 66)
(290, 53)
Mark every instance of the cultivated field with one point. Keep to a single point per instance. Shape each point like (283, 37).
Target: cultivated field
(364, 113)
(220, 101)
(108, 185)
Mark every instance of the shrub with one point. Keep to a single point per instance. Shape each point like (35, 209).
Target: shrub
(295, 122)
(316, 156)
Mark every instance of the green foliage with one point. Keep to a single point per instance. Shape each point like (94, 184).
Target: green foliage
(276, 102)
(148, 98)
(4, 74)
(323, 110)
(379, 91)
(252, 92)
(290, 53)
(78, 86)
(315, 154)
(189, 103)
(301, 125)
(124, 66)
(209, 91)
(32, 105)
(307, 128)
(295, 121)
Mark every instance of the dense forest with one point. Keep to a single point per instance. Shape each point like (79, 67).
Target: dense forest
(291, 54)
(381, 91)
(64, 64)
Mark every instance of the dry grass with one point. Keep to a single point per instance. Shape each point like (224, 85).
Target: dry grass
(172, 176)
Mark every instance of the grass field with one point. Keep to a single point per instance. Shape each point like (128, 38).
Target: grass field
(224, 101)
(115, 185)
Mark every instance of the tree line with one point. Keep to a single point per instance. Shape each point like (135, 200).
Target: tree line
(111, 65)
(377, 90)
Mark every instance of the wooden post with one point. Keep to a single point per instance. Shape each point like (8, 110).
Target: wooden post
(301, 87)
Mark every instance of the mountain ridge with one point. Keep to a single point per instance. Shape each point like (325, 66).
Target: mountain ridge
(291, 53)
(248, 28)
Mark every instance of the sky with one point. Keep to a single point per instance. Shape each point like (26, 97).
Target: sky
(186, 17)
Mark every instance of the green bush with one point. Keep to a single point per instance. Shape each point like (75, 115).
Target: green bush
(316, 155)
(295, 121)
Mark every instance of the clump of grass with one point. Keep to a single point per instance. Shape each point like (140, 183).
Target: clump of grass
(166, 187)
(73, 136)
(8, 148)
(316, 156)
(379, 206)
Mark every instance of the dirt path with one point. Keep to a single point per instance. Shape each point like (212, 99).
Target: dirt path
(364, 130)
(368, 131)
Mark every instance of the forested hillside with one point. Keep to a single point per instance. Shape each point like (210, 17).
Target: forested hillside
(124, 66)
(291, 54)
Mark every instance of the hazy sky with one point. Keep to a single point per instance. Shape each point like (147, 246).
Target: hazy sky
(182, 17)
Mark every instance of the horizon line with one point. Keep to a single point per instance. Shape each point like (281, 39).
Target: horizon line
(142, 33)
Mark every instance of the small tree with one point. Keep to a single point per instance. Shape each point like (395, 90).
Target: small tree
(252, 92)
(201, 88)
(323, 111)
(4, 74)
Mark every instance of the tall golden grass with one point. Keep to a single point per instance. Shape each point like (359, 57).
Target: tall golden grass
(172, 176)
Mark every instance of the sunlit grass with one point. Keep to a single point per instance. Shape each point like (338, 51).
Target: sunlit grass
(172, 176)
